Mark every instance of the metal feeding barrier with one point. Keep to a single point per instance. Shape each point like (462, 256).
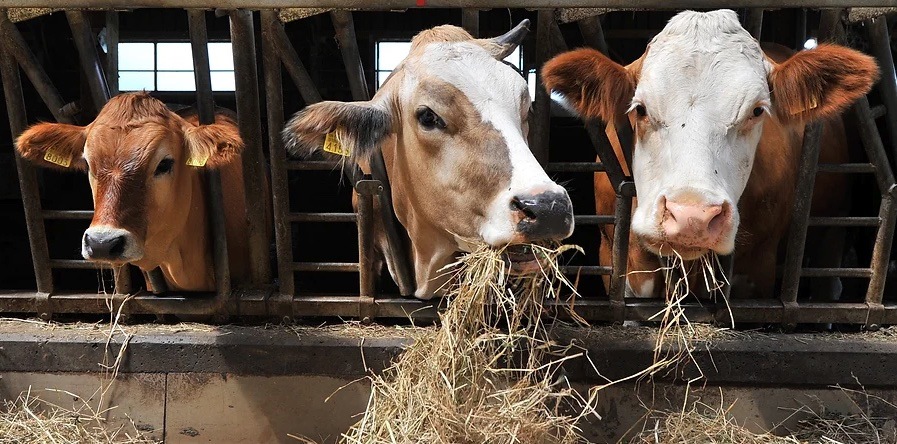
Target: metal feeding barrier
(264, 298)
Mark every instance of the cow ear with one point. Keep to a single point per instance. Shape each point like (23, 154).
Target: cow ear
(54, 145)
(212, 145)
(820, 83)
(350, 129)
(595, 86)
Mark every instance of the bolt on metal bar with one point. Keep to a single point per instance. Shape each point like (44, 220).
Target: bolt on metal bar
(86, 42)
(271, 55)
(290, 58)
(797, 233)
(470, 21)
(880, 47)
(37, 236)
(206, 111)
(17, 47)
(112, 38)
(249, 117)
(541, 123)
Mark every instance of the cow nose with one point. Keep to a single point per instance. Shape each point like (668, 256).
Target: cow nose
(697, 225)
(104, 246)
(542, 216)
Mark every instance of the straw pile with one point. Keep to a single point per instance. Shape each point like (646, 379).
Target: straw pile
(489, 374)
(703, 424)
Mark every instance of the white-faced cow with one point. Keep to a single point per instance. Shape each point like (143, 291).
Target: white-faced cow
(143, 162)
(718, 127)
(451, 122)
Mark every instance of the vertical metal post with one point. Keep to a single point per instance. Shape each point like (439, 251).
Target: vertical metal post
(800, 29)
(620, 250)
(797, 234)
(470, 21)
(86, 42)
(206, 106)
(279, 190)
(593, 33)
(880, 47)
(249, 116)
(541, 124)
(112, 51)
(366, 190)
(37, 237)
(345, 35)
(753, 22)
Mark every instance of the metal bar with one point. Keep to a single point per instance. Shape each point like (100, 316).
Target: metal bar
(620, 250)
(280, 192)
(470, 21)
(384, 5)
(594, 220)
(574, 167)
(881, 252)
(255, 181)
(322, 217)
(77, 264)
(122, 276)
(311, 165)
(830, 27)
(593, 33)
(367, 279)
(398, 247)
(878, 111)
(753, 22)
(880, 48)
(847, 168)
(68, 214)
(112, 38)
(836, 272)
(875, 150)
(326, 266)
(206, 112)
(844, 221)
(18, 48)
(606, 153)
(348, 43)
(290, 58)
(156, 279)
(86, 42)
(797, 234)
(586, 270)
(37, 236)
(541, 123)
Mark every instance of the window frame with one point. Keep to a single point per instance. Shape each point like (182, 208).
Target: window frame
(156, 69)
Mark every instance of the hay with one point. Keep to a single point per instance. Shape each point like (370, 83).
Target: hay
(489, 374)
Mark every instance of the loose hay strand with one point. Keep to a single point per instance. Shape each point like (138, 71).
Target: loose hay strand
(488, 374)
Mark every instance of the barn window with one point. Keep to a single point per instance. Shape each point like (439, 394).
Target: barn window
(389, 53)
(168, 66)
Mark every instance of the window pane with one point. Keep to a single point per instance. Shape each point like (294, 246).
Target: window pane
(136, 81)
(176, 81)
(223, 81)
(221, 57)
(531, 84)
(514, 58)
(390, 54)
(136, 56)
(381, 77)
(174, 56)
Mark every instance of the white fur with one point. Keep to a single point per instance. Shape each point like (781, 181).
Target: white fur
(701, 79)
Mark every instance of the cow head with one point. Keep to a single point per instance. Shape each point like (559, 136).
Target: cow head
(698, 99)
(142, 161)
(457, 118)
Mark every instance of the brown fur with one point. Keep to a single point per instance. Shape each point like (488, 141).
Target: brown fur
(124, 142)
(834, 77)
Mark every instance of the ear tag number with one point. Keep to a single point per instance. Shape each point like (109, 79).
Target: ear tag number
(333, 145)
(196, 161)
(56, 157)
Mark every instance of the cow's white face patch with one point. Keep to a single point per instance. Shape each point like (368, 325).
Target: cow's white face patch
(701, 98)
(500, 96)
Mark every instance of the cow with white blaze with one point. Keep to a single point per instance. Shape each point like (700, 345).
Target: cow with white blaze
(451, 122)
(718, 125)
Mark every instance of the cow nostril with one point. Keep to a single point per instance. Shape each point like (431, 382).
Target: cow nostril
(519, 205)
(117, 246)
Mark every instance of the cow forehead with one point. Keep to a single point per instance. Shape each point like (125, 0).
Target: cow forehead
(124, 145)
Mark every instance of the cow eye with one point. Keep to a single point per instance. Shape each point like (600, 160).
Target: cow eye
(164, 167)
(428, 119)
(641, 111)
(758, 111)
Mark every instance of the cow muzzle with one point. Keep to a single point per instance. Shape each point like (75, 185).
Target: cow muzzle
(691, 229)
(111, 245)
(543, 216)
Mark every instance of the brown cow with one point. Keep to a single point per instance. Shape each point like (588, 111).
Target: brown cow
(718, 126)
(451, 122)
(143, 162)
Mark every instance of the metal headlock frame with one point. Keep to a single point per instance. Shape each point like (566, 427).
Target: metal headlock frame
(278, 53)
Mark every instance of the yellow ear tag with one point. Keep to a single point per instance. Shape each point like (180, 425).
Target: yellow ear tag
(333, 145)
(197, 161)
(56, 157)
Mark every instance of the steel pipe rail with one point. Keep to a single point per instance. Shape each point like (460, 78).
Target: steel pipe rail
(418, 4)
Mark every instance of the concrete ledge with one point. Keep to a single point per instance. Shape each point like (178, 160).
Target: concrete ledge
(816, 360)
